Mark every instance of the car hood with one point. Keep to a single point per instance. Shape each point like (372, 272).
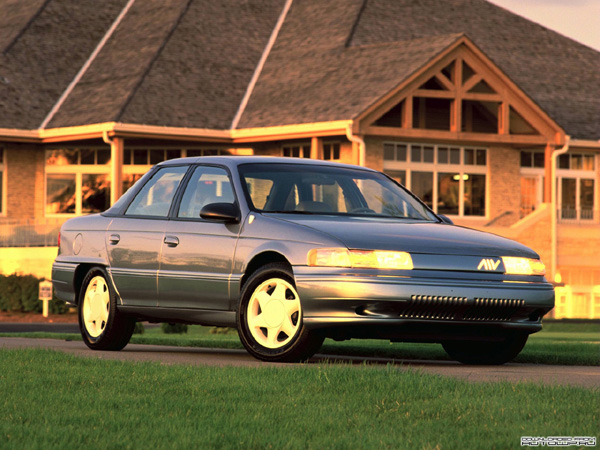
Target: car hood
(410, 236)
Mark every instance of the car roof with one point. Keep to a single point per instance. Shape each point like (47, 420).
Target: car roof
(234, 161)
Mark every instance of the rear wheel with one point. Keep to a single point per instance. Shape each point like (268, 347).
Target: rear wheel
(269, 317)
(484, 352)
(102, 326)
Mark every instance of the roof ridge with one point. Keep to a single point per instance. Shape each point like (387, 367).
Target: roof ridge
(260, 64)
(152, 61)
(26, 27)
(421, 39)
(86, 65)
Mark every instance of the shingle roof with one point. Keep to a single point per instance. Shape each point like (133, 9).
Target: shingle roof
(187, 63)
(559, 74)
(177, 63)
(40, 64)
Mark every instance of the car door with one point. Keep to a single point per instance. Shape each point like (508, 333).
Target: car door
(197, 254)
(134, 240)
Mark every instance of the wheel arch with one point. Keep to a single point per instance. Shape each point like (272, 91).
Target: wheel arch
(80, 273)
(260, 260)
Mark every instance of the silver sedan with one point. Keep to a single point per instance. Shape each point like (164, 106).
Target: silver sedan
(291, 251)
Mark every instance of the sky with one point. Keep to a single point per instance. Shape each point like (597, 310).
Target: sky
(577, 19)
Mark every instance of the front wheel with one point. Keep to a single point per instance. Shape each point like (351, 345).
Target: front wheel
(102, 326)
(269, 317)
(484, 352)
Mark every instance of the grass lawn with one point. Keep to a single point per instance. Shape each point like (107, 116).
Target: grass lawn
(52, 400)
(557, 343)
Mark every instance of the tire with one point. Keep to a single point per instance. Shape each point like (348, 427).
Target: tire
(102, 326)
(269, 317)
(484, 352)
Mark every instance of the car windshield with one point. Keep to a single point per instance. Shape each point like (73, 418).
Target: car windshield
(312, 189)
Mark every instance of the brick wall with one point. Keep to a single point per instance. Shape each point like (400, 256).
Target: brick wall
(25, 181)
(374, 150)
(504, 185)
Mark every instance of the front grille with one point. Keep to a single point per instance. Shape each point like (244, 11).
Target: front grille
(498, 309)
(460, 308)
(433, 307)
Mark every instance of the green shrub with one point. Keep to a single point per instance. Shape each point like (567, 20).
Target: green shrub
(20, 293)
(174, 328)
(222, 330)
(139, 328)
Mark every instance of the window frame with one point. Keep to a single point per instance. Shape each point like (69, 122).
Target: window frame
(174, 211)
(174, 201)
(436, 168)
(578, 175)
(76, 169)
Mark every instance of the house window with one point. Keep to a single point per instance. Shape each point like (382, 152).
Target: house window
(296, 151)
(2, 183)
(451, 180)
(577, 183)
(331, 151)
(532, 180)
(77, 180)
(534, 159)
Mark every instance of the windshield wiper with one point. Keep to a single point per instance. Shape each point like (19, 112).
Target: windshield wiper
(292, 212)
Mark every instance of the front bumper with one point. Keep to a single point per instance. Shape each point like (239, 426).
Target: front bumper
(424, 306)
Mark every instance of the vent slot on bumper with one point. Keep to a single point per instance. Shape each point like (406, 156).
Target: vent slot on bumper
(498, 309)
(433, 307)
(460, 308)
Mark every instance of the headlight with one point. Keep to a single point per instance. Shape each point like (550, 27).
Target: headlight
(364, 259)
(523, 266)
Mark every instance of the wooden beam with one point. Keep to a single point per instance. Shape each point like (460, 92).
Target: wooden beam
(456, 115)
(471, 82)
(408, 112)
(482, 97)
(444, 81)
(458, 66)
(504, 118)
(426, 93)
(451, 136)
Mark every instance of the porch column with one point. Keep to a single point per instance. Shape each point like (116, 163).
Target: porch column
(548, 174)
(116, 169)
(316, 148)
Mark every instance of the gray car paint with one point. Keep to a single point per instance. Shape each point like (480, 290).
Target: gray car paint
(437, 247)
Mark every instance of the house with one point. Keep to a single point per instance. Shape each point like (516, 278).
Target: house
(473, 108)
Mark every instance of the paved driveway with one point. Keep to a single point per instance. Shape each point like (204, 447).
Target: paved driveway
(583, 376)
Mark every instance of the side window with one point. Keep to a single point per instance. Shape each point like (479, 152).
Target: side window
(207, 185)
(156, 196)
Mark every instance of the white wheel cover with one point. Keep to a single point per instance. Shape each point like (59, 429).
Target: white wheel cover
(96, 304)
(274, 313)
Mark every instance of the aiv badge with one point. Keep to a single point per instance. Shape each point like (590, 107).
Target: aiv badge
(488, 264)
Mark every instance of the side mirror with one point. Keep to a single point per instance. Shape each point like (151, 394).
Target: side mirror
(223, 212)
(445, 219)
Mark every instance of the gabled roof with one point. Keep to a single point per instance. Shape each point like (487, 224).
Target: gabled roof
(188, 63)
(559, 74)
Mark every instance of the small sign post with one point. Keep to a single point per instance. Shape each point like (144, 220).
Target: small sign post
(45, 295)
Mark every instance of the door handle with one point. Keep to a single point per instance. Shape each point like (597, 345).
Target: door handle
(114, 239)
(172, 241)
